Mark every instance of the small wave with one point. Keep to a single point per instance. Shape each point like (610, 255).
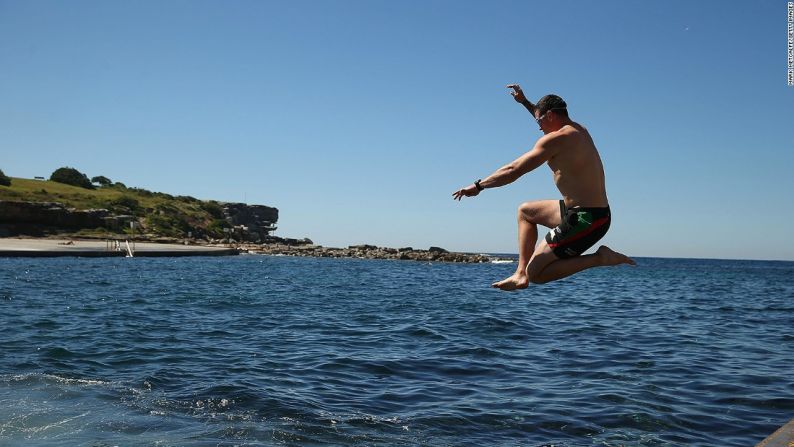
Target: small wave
(469, 351)
(780, 403)
(32, 378)
(59, 353)
(420, 331)
(489, 322)
(46, 324)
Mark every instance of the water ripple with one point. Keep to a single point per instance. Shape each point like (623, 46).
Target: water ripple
(296, 351)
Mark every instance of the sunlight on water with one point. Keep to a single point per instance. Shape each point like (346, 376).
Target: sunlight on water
(298, 351)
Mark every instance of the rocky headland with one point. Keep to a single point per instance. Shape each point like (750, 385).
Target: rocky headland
(39, 209)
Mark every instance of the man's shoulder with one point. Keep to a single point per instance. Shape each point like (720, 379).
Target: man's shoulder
(558, 137)
(568, 134)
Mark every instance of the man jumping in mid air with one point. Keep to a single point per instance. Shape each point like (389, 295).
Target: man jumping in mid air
(577, 221)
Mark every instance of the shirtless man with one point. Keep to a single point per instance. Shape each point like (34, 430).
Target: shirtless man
(577, 221)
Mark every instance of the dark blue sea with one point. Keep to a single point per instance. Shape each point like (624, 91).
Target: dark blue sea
(280, 351)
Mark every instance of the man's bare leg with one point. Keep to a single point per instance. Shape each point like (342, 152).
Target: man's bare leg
(530, 214)
(527, 237)
(562, 268)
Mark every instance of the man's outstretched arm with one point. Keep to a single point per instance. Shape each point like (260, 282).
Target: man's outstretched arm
(511, 172)
(518, 95)
(514, 170)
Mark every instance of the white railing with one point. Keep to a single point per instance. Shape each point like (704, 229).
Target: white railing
(116, 245)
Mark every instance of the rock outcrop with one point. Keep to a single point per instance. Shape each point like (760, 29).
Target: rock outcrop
(435, 254)
(36, 215)
(255, 222)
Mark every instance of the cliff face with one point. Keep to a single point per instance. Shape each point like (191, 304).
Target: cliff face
(251, 222)
(258, 220)
(51, 214)
(39, 218)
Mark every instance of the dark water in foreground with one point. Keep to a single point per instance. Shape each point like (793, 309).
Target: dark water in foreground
(271, 351)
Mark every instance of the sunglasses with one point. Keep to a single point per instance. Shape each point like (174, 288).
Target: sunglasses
(540, 118)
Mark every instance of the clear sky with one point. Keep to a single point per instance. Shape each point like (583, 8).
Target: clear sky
(358, 119)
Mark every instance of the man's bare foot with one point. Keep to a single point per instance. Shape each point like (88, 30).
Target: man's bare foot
(519, 280)
(611, 257)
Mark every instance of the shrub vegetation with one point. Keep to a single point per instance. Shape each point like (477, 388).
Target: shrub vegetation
(71, 176)
(4, 179)
(102, 180)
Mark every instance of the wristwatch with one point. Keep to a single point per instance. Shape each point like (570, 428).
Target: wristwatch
(478, 186)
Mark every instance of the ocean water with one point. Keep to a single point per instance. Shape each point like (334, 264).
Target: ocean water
(279, 351)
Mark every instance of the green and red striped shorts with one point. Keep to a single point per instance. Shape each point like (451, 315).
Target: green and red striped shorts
(580, 229)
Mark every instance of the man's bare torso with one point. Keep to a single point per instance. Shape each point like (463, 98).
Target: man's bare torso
(577, 168)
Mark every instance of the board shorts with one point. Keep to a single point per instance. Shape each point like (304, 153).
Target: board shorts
(580, 229)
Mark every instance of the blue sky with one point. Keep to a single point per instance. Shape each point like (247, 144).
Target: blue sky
(358, 119)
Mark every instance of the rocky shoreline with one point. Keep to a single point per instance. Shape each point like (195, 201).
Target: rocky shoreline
(434, 254)
(246, 229)
(64, 244)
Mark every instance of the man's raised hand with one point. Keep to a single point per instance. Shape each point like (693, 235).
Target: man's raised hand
(517, 93)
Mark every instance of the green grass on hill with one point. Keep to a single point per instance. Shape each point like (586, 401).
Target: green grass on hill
(159, 213)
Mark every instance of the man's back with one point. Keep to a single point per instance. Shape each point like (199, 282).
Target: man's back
(578, 171)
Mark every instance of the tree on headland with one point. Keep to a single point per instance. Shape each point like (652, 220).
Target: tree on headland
(101, 180)
(4, 180)
(71, 176)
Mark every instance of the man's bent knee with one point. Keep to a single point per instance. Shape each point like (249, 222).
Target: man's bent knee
(528, 211)
(542, 212)
(521, 210)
